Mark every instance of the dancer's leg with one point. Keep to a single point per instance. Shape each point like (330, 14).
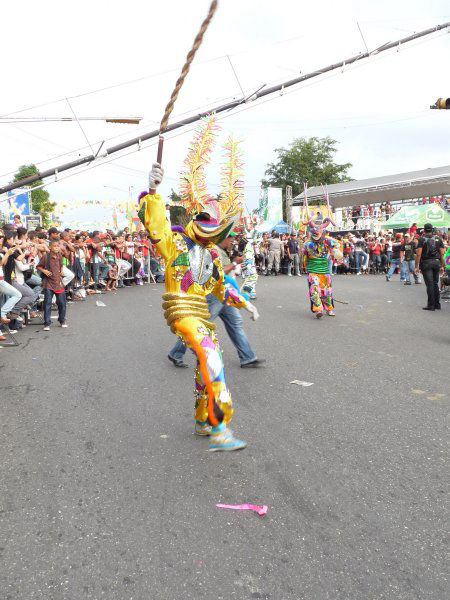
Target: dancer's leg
(314, 293)
(212, 399)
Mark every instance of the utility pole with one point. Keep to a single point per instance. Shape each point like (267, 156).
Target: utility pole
(260, 93)
(288, 204)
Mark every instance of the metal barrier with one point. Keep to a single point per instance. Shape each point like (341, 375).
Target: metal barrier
(139, 269)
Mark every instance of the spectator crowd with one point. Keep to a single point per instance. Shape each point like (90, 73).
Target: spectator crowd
(363, 253)
(42, 268)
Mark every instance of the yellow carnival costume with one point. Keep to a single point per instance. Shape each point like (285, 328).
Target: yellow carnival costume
(194, 270)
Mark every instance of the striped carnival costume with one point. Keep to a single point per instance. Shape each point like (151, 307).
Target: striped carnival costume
(194, 270)
(317, 255)
(320, 290)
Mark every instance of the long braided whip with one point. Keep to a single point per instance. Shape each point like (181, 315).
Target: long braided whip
(189, 58)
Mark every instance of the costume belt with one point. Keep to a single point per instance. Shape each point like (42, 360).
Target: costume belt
(179, 306)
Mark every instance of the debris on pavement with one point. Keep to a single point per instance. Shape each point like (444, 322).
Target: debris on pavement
(100, 303)
(302, 383)
(261, 510)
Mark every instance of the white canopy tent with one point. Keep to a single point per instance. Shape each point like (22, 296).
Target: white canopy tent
(403, 186)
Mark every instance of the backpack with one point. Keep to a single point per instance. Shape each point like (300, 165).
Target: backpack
(429, 247)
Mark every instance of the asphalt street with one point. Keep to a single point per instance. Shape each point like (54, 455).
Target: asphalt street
(106, 493)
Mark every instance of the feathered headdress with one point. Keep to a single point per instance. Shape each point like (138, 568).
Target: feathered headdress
(193, 182)
(213, 220)
(232, 196)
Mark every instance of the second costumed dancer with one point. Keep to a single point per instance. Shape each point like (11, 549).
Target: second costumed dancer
(317, 254)
(194, 270)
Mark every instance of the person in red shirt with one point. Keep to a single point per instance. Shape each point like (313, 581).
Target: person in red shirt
(376, 250)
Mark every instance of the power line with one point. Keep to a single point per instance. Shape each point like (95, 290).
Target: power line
(262, 92)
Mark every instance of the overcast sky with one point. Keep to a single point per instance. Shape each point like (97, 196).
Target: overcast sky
(378, 111)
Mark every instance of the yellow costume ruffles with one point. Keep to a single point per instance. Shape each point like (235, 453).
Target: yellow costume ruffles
(194, 270)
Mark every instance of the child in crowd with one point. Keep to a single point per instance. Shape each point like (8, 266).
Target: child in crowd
(112, 278)
(51, 270)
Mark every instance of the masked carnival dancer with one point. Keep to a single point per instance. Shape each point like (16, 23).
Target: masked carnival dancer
(248, 268)
(194, 270)
(317, 253)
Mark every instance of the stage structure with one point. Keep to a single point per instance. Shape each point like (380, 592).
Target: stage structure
(389, 188)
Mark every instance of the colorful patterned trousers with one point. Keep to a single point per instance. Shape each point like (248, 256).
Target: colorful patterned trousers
(212, 398)
(320, 292)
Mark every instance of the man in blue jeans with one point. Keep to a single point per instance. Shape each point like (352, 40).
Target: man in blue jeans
(409, 260)
(230, 316)
(233, 324)
(397, 256)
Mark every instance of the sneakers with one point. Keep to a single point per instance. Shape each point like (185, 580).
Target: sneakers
(202, 428)
(64, 325)
(46, 328)
(222, 440)
(388, 278)
(319, 315)
(331, 313)
(407, 283)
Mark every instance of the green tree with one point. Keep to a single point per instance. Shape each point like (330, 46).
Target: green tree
(179, 216)
(307, 160)
(174, 196)
(40, 198)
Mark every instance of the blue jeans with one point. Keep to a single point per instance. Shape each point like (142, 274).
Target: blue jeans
(233, 324)
(360, 254)
(407, 267)
(294, 262)
(376, 261)
(60, 303)
(9, 297)
(395, 262)
(100, 271)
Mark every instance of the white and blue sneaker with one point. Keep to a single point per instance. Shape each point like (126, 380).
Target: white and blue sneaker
(221, 440)
(202, 428)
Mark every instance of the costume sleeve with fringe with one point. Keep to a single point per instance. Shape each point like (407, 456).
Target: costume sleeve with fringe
(152, 213)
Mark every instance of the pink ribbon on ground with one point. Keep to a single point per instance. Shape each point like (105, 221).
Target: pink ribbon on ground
(261, 510)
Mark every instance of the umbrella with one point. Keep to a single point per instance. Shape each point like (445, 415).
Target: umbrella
(281, 227)
(425, 213)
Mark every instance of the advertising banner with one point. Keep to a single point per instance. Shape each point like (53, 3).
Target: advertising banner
(21, 204)
(274, 205)
(271, 205)
(33, 221)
